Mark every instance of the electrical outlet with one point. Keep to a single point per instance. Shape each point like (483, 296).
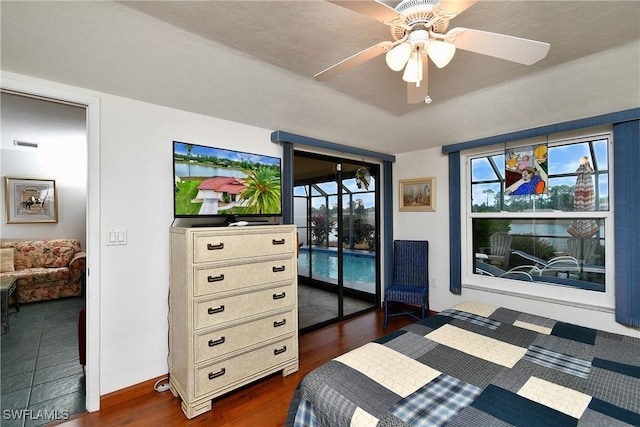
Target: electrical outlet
(434, 282)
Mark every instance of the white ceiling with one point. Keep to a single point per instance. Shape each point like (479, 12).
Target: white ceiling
(253, 62)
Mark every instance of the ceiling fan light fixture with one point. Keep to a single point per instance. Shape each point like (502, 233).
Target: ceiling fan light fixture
(398, 56)
(441, 53)
(413, 70)
(421, 25)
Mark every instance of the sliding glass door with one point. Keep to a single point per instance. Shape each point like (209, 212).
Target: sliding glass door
(336, 211)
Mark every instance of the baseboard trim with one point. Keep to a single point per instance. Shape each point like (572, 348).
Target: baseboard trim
(132, 392)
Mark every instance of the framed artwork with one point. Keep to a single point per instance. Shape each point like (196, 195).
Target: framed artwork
(30, 200)
(418, 195)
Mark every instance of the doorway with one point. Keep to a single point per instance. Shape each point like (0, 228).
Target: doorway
(91, 218)
(42, 347)
(336, 209)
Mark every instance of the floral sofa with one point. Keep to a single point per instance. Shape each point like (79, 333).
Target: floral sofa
(45, 269)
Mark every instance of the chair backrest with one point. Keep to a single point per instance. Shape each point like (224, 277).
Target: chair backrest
(500, 250)
(589, 250)
(582, 249)
(411, 262)
(573, 247)
(500, 243)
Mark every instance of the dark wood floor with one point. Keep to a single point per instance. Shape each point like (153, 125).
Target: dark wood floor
(263, 403)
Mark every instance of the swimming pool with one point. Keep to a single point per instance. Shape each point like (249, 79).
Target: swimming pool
(358, 268)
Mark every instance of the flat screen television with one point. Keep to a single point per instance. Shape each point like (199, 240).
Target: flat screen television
(224, 184)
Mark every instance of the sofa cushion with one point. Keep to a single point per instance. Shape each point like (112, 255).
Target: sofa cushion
(6, 256)
(43, 253)
(58, 257)
(27, 255)
(39, 275)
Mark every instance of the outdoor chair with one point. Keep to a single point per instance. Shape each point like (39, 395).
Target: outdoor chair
(410, 280)
(529, 273)
(584, 250)
(522, 272)
(560, 264)
(500, 248)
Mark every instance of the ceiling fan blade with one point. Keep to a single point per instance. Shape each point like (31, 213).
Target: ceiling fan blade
(515, 49)
(353, 61)
(455, 7)
(371, 8)
(417, 94)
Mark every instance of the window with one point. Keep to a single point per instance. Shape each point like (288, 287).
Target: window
(553, 233)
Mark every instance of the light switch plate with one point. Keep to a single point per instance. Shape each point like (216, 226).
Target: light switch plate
(116, 236)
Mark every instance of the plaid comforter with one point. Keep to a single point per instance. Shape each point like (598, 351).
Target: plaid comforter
(477, 365)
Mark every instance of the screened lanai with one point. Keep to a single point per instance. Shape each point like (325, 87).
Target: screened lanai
(336, 212)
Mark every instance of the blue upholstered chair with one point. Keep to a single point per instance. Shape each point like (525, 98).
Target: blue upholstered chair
(410, 279)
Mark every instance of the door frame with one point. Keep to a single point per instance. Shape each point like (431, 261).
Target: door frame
(289, 140)
(337, 175)
(56, 92)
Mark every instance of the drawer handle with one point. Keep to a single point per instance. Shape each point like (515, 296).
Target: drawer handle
(214, 247)
(215, 310)
(279, 296)
(220, 373)
(212, 279)
(281, 323)
(278, 269)
(278, 351)
(277, 242)
(213, 343)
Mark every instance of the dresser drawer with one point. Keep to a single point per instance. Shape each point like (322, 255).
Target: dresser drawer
(217, 247)
(218, 343)
(219, 375)
(225, 278)
(215, 311)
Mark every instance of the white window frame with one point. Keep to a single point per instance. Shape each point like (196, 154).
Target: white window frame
(603, 301)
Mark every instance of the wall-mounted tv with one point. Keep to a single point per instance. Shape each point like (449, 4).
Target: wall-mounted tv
(214, 182)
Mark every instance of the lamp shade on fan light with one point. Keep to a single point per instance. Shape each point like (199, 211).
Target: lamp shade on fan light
(398, 56)
(413, 70)
(441, 53)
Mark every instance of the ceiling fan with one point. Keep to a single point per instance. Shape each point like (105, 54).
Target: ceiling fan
(418, 30)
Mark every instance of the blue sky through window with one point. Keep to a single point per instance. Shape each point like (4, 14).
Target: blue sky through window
(563, 159)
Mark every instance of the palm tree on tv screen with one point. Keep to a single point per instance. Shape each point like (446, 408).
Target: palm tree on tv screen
(263, 192)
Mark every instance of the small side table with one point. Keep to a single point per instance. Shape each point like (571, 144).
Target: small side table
(8, 286)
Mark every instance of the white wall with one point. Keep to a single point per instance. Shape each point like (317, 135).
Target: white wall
(434, 226)
(61, 156)
(137, 194)
(431, 226)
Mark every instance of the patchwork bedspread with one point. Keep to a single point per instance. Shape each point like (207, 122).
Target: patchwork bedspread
(477, 365)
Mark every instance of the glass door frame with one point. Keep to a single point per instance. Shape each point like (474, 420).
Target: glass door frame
(337, 176)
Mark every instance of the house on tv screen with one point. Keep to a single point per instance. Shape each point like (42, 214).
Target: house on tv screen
(216, 189)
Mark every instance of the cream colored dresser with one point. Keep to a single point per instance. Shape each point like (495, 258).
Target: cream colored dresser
(232, 308)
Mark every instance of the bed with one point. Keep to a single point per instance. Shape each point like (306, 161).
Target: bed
(477, 365)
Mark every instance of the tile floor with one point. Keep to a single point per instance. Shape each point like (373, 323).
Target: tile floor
(41, 379)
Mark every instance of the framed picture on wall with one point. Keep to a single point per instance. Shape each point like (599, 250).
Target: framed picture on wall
(418, 195)
(30, 200)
